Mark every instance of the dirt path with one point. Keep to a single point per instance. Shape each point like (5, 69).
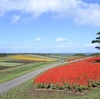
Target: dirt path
(4, 87)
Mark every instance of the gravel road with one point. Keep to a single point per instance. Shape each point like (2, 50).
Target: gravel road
(4, 87)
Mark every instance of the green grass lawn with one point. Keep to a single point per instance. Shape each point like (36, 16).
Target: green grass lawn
(27, 91)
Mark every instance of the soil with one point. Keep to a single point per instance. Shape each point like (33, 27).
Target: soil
(23, 61)
(51, 91)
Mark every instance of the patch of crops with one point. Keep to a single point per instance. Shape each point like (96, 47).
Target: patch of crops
(74, 58)
(79, 75)
(24, 57)
(70, 59)
(8, 64)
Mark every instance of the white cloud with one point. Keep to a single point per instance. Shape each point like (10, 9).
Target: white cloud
(77, 10)
(15, 18)
(88, 15)
(60, 39)
(38, 39)
(66, 45)
(91, 45)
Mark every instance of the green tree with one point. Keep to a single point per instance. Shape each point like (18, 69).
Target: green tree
(97, 40)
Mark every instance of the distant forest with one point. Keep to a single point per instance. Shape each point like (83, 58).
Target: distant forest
(75, 54)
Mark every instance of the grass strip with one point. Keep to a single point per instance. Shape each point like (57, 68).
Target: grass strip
(12, 73)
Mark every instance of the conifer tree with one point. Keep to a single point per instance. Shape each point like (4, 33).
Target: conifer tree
(97, 40)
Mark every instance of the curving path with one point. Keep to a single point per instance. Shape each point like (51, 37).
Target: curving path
(4, 87)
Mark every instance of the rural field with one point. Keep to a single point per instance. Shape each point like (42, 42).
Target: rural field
(49, 49)
(12, 66)
(77, 80)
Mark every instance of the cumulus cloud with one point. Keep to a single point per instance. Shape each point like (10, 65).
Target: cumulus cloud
(60, 39)
(15, 18)
(38, 39)
(77, 10)
(88, 15)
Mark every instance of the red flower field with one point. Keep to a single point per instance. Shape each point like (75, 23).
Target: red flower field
(79, 73)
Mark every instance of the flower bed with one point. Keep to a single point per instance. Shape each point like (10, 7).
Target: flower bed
(77, 75)
(30, 58)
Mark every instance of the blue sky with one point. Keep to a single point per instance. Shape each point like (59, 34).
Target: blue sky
(49, 26)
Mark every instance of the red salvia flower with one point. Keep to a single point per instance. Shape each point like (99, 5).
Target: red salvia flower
(79, 72)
